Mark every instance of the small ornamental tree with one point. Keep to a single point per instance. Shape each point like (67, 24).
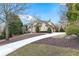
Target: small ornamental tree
(49, 30)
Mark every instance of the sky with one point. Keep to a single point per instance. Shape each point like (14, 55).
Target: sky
(46, 11)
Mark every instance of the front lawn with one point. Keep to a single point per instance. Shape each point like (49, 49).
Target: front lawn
(44, 50)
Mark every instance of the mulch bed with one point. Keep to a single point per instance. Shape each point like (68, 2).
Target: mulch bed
(61, 42)
(20, 37)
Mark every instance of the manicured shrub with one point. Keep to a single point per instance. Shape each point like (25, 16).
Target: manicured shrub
(72, 29)
(49, 30)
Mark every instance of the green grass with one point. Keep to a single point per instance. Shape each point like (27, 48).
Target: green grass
(44, 50)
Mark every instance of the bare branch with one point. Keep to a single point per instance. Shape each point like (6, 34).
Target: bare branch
(8, 9)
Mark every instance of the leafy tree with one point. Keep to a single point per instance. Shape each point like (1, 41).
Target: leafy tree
(77, 6)
(72, 13)
(73, 18)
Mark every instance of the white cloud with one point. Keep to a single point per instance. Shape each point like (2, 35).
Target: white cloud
(25, 17)
(62, 3)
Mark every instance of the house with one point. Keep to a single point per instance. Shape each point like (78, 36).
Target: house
(2, 26)
(43, 25)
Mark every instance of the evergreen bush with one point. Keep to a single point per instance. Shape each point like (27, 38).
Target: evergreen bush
(49, 30)
(72, 29)
(62, 30)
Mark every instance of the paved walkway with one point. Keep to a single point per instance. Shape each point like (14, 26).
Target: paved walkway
(8, 48)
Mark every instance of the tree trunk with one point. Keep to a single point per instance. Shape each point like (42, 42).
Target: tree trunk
(6, 31)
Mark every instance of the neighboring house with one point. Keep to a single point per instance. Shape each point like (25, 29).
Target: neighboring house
(2, 26)
(44, 25)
